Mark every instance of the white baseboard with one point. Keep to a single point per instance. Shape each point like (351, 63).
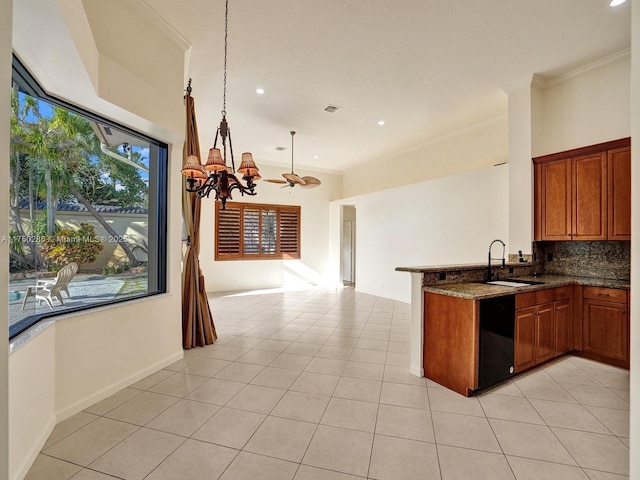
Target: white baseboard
(89, 400)
(35, 450)
(417, 371)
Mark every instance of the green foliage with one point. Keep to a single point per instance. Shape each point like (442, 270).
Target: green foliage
(115, 269)
(39, 225)
(15, 242)
(56, 157)
(80, 246)
(64, 146)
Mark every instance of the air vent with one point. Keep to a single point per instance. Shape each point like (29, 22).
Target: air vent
(331, 108)
(281, 149)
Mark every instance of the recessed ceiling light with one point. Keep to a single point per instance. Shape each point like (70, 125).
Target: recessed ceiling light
(380, 122)
(259, 91)
(615, 3)
(316, 156)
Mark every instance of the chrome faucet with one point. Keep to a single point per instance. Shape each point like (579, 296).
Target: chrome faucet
(489, 274)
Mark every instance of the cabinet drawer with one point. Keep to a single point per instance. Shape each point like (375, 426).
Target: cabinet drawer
(606, 294)
(528, 299)
(562, 293)
(545, 296)
(524, 300)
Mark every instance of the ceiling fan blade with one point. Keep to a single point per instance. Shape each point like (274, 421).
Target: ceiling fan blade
(310, 182)
(275, 180)
(292, 177)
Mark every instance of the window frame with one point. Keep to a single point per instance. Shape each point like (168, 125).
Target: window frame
(240, 254)
(158, 202)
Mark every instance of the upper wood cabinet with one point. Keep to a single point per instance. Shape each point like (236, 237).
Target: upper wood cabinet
(553, 200)
(584, 194)
(619, 193)
(589, 197)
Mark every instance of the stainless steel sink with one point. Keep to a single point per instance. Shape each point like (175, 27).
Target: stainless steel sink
(513, 283)
(508, 283)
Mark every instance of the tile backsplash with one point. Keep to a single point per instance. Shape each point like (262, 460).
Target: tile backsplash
(597, 259)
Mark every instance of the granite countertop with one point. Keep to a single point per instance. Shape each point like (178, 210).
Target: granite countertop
(455, 267)
(477, 290)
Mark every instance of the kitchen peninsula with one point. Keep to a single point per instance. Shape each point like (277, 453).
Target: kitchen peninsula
(552, 314)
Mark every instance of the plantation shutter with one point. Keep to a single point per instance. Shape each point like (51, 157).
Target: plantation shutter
(269, 232)
(251, 229)
(290, 232)
(248, 231)
(228, 238)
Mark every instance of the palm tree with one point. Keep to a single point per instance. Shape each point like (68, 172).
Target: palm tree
(77, 145)
(62, 151)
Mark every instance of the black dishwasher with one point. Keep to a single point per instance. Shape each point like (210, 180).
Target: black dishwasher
(497, 325)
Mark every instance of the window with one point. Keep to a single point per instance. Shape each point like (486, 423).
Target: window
(87, 208)
(246, 231)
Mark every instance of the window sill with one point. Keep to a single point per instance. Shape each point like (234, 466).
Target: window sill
(32, 332)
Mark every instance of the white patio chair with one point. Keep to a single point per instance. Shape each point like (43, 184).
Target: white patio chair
(47, 290)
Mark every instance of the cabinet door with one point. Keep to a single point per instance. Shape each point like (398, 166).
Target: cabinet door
(619, 194)
(553, 204)
(525, 335)
(545, 332)
(563, 326)
(605, 329)
(589, 197)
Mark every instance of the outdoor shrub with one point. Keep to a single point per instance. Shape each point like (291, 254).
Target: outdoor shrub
(80, 246)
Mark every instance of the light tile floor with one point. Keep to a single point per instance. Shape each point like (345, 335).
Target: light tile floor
(314, 385)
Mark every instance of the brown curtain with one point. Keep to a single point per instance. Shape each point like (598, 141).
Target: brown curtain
(197, 322)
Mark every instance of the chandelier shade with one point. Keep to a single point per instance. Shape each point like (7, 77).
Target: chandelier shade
(193, 168)
(215, 163)
(248, 166)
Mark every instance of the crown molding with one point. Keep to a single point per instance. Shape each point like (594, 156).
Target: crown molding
(144, 9)
(613, 58)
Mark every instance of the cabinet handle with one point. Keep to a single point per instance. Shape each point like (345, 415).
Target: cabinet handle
(604, 294)
(557, 309)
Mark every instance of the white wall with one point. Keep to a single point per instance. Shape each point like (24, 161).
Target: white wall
(32, 392)
(524, 101)
(5, 79)
(449, 220)
(635, 245)
(85, 357)
(314, 264)
(478, 146)
(588, 106)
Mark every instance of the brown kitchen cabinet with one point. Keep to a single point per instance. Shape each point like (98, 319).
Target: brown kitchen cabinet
(584, 194)
(605, 324)
(562, 326)
(451, 340)
(543, 326)
(553, 200)
(619, 193)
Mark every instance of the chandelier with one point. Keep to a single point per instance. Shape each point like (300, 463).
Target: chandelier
(216, 175)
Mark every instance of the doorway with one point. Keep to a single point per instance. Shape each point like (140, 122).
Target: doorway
(348, 262)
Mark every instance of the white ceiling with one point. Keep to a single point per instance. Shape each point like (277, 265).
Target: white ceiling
(426, 67)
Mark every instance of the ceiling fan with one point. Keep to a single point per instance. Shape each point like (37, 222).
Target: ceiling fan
(291, 179)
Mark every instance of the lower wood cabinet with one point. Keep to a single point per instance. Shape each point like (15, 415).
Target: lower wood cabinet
(605, 324)
(591, 321)
(563, 326)
(543, 326)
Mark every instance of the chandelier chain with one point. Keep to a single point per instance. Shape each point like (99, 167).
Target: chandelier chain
(226, 33)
